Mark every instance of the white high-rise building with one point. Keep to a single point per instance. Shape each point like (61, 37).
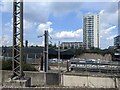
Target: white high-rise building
(91, 31)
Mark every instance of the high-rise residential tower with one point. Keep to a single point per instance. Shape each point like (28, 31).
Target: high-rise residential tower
(91, 31)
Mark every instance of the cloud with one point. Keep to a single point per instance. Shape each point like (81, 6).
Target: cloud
(38, 16)
(6, 40)
(41, 10)
(111, 37)
(28, 25)
(109, 30)
(77, 34)
(102, 11)
(5, 6)
(67, 1)
(119, 18)
(0, 41)
(62, 8)
(107, 18)
(63, 35)
(42, 44)
(108, 24)
(39, 13)
(45, 26)
(112, 7)
(107, 34)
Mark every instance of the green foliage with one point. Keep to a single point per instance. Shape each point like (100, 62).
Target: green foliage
(7, 65)
(93, 50)
(65, 47)
(52, 46)
(27, 67)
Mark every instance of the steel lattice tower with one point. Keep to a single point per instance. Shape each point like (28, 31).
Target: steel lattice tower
(17, 51)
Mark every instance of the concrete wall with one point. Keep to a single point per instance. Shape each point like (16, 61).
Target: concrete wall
(58, 88)
(119, 83)
(37, 78)
(40, 79)
(52, 79)
(95, 56)
(6, 76)
(89, 81)
(0, 77)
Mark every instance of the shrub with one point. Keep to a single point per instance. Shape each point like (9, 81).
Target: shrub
(7, 65)
(28, 67)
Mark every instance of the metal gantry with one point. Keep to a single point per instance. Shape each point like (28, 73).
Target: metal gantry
(17, 51)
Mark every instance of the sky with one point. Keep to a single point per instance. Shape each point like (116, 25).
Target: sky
(63, 20)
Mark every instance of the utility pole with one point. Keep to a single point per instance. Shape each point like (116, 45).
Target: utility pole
(17, 50)
(46, 52)
(59, 56)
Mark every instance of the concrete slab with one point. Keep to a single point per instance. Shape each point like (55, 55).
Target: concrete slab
(24, 82)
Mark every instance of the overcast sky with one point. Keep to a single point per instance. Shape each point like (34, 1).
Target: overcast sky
(64, 21)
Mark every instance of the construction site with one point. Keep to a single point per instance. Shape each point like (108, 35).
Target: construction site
(54, 74)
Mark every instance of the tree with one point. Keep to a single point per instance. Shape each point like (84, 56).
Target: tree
(7, 65)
